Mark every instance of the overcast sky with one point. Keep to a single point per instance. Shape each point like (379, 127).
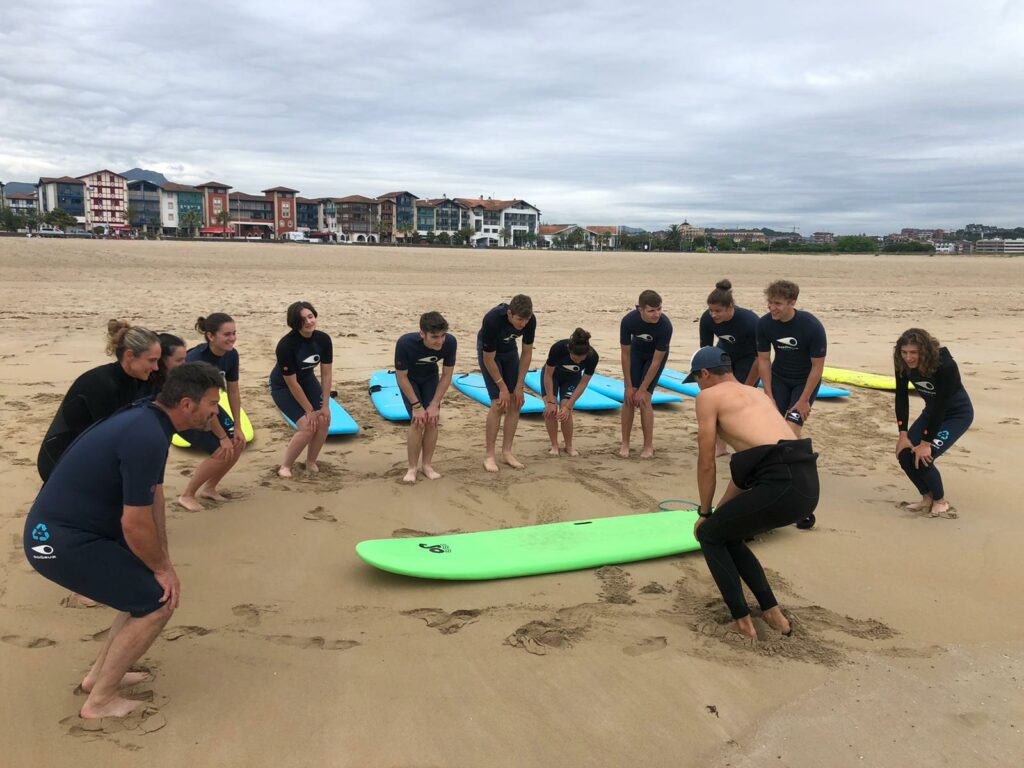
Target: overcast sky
(847, 117)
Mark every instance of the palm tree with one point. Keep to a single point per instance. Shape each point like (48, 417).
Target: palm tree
(381, 228)
(506, 235)
(191, 221)
(223, 218)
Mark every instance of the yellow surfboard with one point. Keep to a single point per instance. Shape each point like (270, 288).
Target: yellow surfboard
(246, 425)
(860, 379)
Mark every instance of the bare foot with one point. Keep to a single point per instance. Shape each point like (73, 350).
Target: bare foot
(312, 467)
(490, 464)
(82, 600)
(553, 451)
(624, 451)
(190, 503)
(571, 451)
(431, 473)
(775, 619)
(115, 707)
(511, 460)
(129, 679)
(941, 508)
(919, 506)
(745, 626)
(410, 475)
(647, 453)
(284, 472)
(211, 494)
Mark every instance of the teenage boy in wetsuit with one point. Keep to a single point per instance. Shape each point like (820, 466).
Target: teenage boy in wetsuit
(774, 483)
(504, 370)
(416, 359)
(644, 337)
(98, 527)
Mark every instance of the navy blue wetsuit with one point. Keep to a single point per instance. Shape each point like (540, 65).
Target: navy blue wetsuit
(299, 356)
(795, 343)
(738, 337)
(568, 373)
(227, 364)
(498, 335)
(420, 361)
(643, 340)
(73, 533)
(94, 395)
(947, 414)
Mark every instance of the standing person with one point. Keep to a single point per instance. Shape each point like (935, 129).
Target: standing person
(644, 338)
(98, 526)
(416, 359)
(294, 387)
(101, 391)
(793, 377)
(736, 329)
(224, 443)
(774, 483)
(570, 365)
(504, 369)
(947, 414)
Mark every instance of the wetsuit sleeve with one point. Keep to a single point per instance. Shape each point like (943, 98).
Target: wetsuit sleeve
(451, 346)
(947, 384)
(87, 407)
(553, 355)
(664, 335)
(530, 330)
(326, 349)
(231, 369)
(707, 330)
(819, 341)
(590, 364)
(143, 455)
(764, 344)
(902, 402)
(401, 356)
(625, 336)
(286, 357)
(490, 333)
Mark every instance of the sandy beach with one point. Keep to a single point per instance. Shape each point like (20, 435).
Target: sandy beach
(288, 650)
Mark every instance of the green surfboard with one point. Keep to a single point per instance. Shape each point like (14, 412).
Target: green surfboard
(536, 549)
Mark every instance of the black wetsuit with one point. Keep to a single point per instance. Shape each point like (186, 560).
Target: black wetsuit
(498, 335)
(947, 414)
(93, 396)
(737, 337)
(299, 357)
(228, 365)
(780, 483)
(420, 361)
(73, 533)
(567, 373)
(795, 343)
(643, 340)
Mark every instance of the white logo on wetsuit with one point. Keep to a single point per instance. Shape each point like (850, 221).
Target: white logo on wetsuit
(43, 549)
(730, 339)
(513, 337)
(926, 386)
(312, 360)
(431, 359)
(643, 336)
(788, 341)
(573, 368)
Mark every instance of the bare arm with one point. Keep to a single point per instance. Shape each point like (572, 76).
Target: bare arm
(764, 369)
(492, 370)
(326, 380)
(652, 371)
(625, 359)
(143, 535)
(813, 378)
(524, 364)
(707, 433)
(160, 520)
(442, 386)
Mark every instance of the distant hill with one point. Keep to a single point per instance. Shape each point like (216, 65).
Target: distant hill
(136, 174)
(19, 188)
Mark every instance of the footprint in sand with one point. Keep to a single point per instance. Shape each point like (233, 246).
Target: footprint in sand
(616, 585)
(647, 645)
(561, 632)
(316, 642)
(143, 720)
(176, 633)
(249, 613)
(445, 623)
(319, 514)
(28, 642)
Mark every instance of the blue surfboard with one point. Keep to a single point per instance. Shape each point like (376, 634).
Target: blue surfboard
(616, 390)
(387, 397)
(341, 422)
(588, 401)
(674, 380)
(472, 385)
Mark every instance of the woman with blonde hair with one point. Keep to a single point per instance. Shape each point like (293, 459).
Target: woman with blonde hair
(921, 361)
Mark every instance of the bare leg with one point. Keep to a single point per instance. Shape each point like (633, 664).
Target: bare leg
(511, 424)
(429, 444)
(797, 428)
(567, 428)
(298, 443)
(413, 447)
(627, 427)
(208, 490)
(126, 647)
(647, 425)
(775, 619)
(90, 677)
(209, 472)
(491, 437)
(551, 424)
(315, 445)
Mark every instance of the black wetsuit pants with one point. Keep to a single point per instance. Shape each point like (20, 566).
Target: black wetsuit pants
(926, 477)
(782, 492)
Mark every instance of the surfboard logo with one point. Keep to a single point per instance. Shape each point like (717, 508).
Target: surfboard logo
(788, 341)
(730, 339)
(437, 549)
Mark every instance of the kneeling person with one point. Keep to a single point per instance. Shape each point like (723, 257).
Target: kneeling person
(97, 527)
(774, 483)
(416, 359)
(570, 364)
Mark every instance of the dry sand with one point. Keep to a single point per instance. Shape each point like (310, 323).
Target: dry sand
(288, 650)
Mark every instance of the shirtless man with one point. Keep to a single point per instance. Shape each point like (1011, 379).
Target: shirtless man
(774, 483)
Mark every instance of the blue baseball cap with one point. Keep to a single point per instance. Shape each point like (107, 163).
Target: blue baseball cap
(707, 357)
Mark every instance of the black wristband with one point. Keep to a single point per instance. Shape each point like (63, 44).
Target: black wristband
(701, 514)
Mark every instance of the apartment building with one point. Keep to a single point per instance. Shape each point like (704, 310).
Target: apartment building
(402, 212)
(356, 218)
(284, 209)
(106, 200)
(181, 207)
(144, 204)
(490, 220)
(1000, 245)
(62, 192)
(440, 214)
(251, 215)
(216, 201)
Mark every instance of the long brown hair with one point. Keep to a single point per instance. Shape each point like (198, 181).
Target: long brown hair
(928, 362)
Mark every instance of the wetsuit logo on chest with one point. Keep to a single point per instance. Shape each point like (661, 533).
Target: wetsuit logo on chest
(788, 341)
(924, 386)
(643, 336)
(730, 339)
(312, 360)
(429, 360)
(573, 368)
